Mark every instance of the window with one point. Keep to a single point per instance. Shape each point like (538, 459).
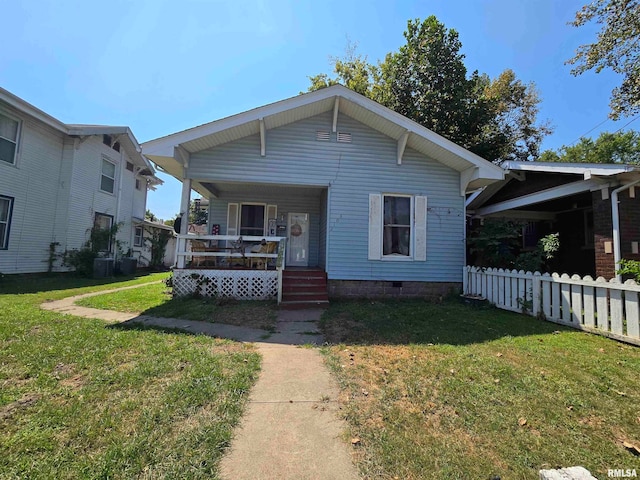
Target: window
(102, 232)
(396, 237)
(138, 184)
(397, 227)
(6, 207)
(9, 129)
(130, 166)
(252, 219)
(138, 236)
(108, 177)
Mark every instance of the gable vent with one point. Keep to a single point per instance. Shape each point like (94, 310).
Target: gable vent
(323, 136)
(344, 137)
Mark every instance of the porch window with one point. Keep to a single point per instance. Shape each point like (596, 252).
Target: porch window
(108, 176)
(8, 139)
(252, 219)
(138, 236)
(6, 207)
(396, 238)
(102, 232)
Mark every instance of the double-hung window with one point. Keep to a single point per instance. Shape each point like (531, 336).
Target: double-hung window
(252, 219)
(138, 236)
(108, 176)
(9, 131)
(6, 207)
(396, 234)
(397, 227)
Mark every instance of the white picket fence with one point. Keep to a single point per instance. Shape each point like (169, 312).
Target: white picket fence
(608, 308)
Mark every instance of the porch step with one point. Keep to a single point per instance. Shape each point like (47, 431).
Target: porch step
(304, 289)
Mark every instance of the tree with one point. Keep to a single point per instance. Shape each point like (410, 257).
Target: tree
(426, 80)
(619, 147)
(617, 47)
(197, 214)
(148, 215)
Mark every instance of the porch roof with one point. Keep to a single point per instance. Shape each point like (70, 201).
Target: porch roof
(564, 180)
(172, 151)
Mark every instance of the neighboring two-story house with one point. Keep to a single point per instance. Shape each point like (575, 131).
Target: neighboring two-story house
(57, 181)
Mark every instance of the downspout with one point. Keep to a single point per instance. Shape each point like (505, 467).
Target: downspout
(615, 219)
(118, 201)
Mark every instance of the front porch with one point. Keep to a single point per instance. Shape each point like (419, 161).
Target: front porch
(245, 268)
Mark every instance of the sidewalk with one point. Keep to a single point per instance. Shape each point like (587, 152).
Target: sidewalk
(291, 429)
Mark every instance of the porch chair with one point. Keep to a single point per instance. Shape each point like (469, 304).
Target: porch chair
(198, 246)
(267, 248)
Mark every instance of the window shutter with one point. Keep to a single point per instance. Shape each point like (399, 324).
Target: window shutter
(375, 226)
(272, 212)
(420, 227)
(232, 219)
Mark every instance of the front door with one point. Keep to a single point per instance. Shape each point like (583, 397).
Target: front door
(298, 244)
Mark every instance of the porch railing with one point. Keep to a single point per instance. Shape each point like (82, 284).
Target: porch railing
(183, 252)
(237, 250)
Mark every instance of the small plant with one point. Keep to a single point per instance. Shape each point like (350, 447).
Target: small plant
(53, 256)
(97, 246)
(630, 267)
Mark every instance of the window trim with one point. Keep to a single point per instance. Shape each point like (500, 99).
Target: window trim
(137, 243)
(394, 256)
(4, 242)
(265, 220)
(16, 141)
(115, 174)
(110, 217)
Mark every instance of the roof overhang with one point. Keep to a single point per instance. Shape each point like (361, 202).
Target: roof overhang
(124, 134)
(477, 172)
(586, 177)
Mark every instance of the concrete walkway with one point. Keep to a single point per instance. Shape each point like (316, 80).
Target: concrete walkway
(291, 429)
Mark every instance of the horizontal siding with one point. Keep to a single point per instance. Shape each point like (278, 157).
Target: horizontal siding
(35, 184)
(287, 203)
(353, 171)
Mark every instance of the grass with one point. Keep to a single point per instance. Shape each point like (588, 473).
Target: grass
(449, 392)
(80, 399)
(155, 300)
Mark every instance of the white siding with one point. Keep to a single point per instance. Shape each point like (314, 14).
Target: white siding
(35, 184)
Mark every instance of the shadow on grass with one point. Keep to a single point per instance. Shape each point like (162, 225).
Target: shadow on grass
(47, 282)
(419, 322)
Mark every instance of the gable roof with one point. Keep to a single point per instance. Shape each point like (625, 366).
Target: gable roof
(124, 134)
(479, 172)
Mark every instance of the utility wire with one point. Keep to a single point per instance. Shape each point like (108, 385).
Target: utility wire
(586, 133)
(629, 122)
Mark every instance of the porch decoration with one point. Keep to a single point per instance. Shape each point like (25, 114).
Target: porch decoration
(296, 230)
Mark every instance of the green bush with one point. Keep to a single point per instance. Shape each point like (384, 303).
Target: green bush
(630, 267)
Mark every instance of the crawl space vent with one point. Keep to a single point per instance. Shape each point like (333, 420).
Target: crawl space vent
(344, 137)
(323, 136)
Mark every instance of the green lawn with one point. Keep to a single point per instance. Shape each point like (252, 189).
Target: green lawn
(81, 399)
(451, 392)
(156, 300)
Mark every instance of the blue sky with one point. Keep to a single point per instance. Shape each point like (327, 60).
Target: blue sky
(162, 66)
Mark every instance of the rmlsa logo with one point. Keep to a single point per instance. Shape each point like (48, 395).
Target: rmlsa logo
(620, 473)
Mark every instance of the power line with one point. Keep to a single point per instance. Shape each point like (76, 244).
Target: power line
(629, 122)
(586, 133)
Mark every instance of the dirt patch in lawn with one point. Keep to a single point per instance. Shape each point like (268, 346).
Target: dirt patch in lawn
(26, 401)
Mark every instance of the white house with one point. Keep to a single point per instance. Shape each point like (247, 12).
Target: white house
(58, 180)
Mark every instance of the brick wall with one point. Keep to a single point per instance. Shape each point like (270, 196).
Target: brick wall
(432, 291)
(629, 209)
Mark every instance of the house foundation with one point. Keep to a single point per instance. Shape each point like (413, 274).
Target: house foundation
(432, 291)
